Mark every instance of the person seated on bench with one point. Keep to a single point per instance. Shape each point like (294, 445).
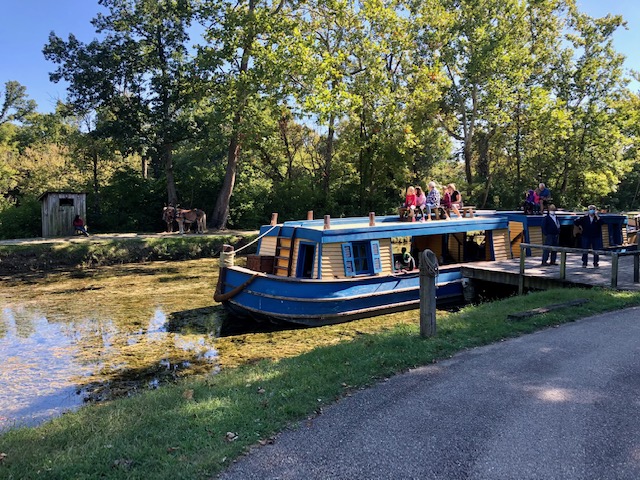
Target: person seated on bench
(78, 226)
(544, 197)
(433, 199)
(529, 204)
(421, 200)
(446, 198)
(406, 261)
(409, 202)
(456, 199)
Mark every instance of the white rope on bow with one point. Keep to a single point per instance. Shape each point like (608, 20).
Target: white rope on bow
(256, 239)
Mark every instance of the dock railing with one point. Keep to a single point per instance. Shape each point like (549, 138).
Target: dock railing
(614, 254)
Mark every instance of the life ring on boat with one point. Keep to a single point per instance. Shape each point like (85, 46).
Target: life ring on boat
(223, 297)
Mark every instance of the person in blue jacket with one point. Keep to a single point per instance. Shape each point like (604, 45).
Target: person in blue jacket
(591, 230)
(551, 234)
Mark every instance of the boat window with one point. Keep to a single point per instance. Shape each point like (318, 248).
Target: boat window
(361, 258)
(397, 244)
(306, 260)
(475, 246)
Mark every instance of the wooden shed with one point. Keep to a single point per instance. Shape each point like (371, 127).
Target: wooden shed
(58, 211)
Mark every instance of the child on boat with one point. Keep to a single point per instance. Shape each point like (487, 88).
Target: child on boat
(409, 202)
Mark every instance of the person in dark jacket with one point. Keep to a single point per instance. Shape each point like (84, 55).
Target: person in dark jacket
(591, 229)
(551, 234)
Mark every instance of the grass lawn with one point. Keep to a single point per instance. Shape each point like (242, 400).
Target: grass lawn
(193, 429)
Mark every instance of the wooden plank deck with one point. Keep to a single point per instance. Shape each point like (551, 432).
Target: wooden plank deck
(544, 277)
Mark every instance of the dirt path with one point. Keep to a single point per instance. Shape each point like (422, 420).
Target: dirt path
(118, 236)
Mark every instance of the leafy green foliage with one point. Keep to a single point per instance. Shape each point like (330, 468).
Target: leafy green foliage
(22, 221)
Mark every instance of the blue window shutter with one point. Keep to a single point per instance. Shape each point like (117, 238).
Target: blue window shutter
(347, 258)
(375, 256)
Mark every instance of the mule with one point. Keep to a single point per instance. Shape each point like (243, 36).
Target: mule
(169, 216)
(196, 216)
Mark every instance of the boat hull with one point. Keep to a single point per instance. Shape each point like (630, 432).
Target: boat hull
(321, 302)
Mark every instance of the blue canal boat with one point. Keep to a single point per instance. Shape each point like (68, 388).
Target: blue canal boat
(319, 272)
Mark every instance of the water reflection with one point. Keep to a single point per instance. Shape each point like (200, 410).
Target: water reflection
(51, 362)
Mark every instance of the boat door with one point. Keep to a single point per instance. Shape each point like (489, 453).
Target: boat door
(306, 260)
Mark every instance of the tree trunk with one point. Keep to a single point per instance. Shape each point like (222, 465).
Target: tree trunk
(328, 158)
(221, 210)
(167, 157)
(96, 183)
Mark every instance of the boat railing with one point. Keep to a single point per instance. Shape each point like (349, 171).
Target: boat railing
(614, 254)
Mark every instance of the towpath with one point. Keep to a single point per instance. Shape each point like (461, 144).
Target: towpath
(121, 236)
(557, 404)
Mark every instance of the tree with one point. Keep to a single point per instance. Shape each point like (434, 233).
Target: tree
(243, 68)
(136, 77)
(15, 106)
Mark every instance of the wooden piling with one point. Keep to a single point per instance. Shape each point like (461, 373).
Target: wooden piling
(428, 274)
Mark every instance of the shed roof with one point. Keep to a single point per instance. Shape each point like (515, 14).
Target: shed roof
(41, 197)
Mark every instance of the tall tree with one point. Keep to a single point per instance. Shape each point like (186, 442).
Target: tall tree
(243, 68)
(137, 76)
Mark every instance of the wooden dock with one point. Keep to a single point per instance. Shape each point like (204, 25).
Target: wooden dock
(543, 277)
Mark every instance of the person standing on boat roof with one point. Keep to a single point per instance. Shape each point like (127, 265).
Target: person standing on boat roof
(433, 199)
(551, 234)
(591, 228)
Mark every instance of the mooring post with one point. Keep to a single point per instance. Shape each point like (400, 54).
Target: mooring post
(521, 277)
(274, 219)
(327, 222)
(310, 215)
(563, 265)
(428, 274)
(636, 270)
(372, 219)
(614, 270)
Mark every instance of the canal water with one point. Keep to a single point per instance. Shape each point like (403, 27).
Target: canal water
(72, 338)
(89, 336)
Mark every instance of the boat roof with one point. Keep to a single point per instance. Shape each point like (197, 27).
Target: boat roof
(358, 228)
(389, 226)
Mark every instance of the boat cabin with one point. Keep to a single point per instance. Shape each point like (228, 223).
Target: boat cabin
(352, 247)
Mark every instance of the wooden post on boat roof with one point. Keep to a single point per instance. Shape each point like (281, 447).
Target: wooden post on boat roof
(310, 215)
(274, 219)
(372, 219)
(428, 274)
(327, 222)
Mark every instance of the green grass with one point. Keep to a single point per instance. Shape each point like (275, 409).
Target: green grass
(19, 259)
(180, 431)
